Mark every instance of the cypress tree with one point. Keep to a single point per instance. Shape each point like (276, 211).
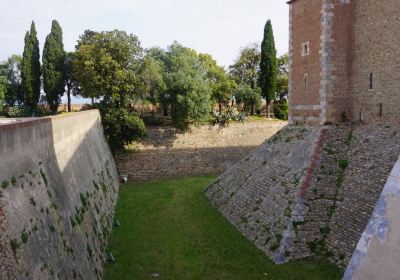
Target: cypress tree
(268, 65)
(53, 67)
(30, 70)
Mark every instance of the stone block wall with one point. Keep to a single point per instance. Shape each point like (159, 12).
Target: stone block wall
(376, 52)
(326, 209)
(257, 195)
(58, 190)
(205, 150)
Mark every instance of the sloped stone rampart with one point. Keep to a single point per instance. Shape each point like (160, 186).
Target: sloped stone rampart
(257, 194)
(58, 191)
(338, 174)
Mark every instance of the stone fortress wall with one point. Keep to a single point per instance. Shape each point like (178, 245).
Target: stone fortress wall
(309, 191)
(205, 150)
(351, 70)
(58, 191)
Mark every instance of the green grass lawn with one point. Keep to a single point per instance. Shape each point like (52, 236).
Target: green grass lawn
(169, 230)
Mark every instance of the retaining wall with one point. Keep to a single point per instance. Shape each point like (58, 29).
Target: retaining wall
(205, 150)
(58, 188)
(309, 191)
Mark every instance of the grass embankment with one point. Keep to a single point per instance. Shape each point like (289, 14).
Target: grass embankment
(170, 231)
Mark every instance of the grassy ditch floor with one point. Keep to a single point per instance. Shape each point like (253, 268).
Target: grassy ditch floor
(169, 230)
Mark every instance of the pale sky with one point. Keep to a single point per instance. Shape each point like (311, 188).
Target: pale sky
(217, 27)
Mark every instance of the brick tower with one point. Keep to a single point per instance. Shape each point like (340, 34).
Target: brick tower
(344, 60)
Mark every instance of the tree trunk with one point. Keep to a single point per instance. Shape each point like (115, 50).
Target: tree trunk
(165, 110)
(220, 108)
(69, 100)
(268, 102)
(252, 110)
(92, 98)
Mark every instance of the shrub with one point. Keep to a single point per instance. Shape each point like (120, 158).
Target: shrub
(226, 116)
(19, 112)
(121, 127)
(281, 110)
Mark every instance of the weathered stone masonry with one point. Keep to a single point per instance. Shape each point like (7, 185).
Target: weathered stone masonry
(309, 191)
(206, 150)
(58, 190)
(350, 68)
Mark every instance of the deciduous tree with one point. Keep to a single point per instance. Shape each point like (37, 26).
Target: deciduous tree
(106, 65)
(222, 86)
(71, 84)
(188, 91)
(246, 68)
(249, 98)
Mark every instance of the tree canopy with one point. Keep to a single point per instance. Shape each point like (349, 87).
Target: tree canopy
(222, 86)
(53, 67)
(106, 65)
(188, 92)
(246, 67)
(30, 69)
(268, 65)
(249, 98)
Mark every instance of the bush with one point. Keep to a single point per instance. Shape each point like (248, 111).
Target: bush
(226, 116)
(281, 110)
(157, 121)
(121, 127)
(19, 112)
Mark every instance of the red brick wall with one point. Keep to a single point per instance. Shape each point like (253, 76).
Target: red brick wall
(305, 27)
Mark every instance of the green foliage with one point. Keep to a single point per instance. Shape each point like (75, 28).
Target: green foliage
(19, 112)
(14, 246)
(227, 115)
(3, 90)
(83, 200)
(24, 237)
(121, 127)
(53, 67)
(343, 164)
(71, 84)
(222, 86)
(248, 98)
(282, 87)
(30, 69)
(187, 90)
(151, 79)
(246, 67)
(200, 243)
(268, 64)
(12, 71)
(44, 177)
(281, 110)
(5, 184)
(106, 64)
